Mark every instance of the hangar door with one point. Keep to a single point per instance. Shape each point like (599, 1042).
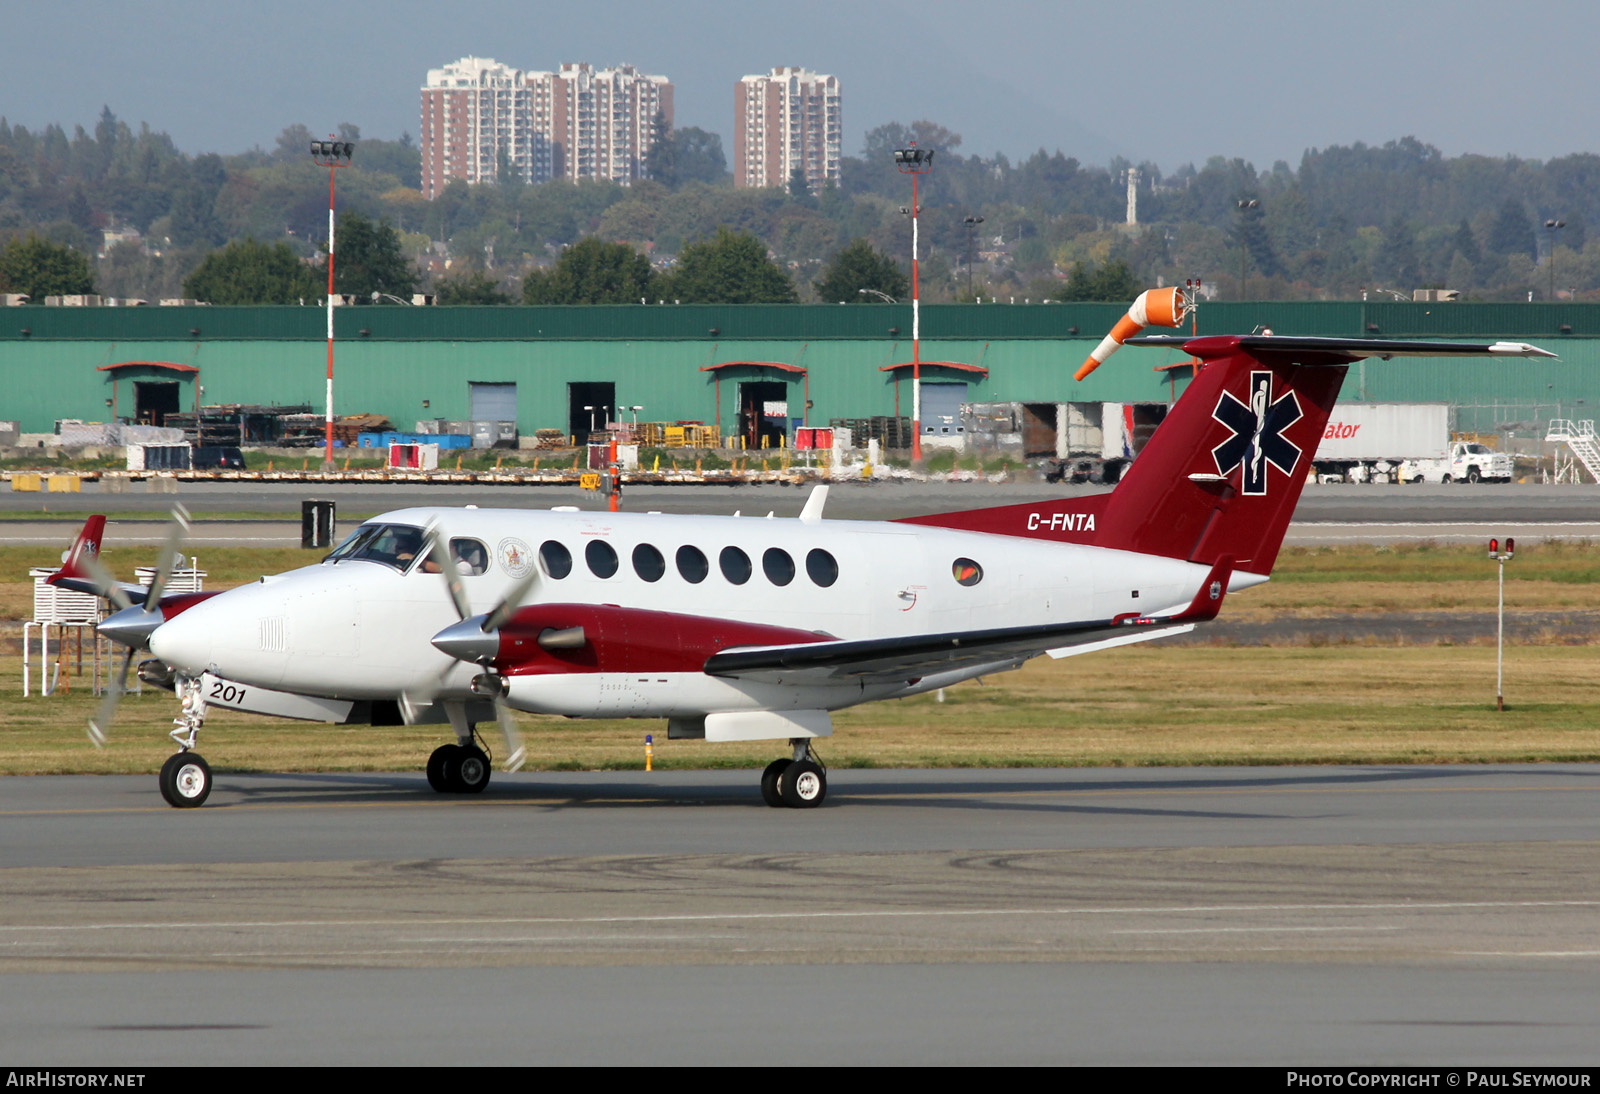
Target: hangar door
(493, 402)
(941, 408)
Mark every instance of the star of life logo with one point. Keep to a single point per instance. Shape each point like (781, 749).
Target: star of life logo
(1257, 429)
(514, 556)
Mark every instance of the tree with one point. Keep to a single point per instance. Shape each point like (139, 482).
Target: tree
(730, 268)
(248, 272)
(40, 268)
(476, 287)
(1511, 232)
(678, 157)
(367, 259)
(859, 267)
(1112, 282)
(592, 271)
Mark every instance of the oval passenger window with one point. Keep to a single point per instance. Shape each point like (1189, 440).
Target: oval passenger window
(821, 567)
(966, 571)
(778, 566)
(556, 558)
(735, 565)
(648, 563)
(601, 557)
(692, 564)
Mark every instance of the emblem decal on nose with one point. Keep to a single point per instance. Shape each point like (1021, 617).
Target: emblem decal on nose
(1258, 429)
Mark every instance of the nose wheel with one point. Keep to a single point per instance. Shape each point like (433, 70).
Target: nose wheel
(800, 783)
(185, 780)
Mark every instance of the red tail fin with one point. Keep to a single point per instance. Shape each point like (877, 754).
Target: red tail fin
(88, 541)
(1219, 478)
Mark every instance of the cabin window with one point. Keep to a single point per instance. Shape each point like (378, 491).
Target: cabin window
(966, 571)
(778, 566)
(735, 565)
(821, 567)
(692, 564)
(556, 558)
(471, 557)
(648, 563)
(601, 557)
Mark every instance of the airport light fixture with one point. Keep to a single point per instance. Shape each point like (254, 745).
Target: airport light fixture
(879, 293)
(333, 155)
(915, 161)
(1244, 205)
(1553, 226)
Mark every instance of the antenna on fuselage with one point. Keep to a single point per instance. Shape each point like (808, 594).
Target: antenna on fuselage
(812, 513)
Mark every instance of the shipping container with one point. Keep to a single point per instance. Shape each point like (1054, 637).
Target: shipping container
(1386, 431)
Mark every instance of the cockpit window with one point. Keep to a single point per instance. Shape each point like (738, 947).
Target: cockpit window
(394, 545)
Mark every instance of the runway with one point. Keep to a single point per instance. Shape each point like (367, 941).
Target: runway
(1364, 915)
(268, 513)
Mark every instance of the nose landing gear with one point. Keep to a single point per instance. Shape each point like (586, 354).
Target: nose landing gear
(800, 783)
(186, 777)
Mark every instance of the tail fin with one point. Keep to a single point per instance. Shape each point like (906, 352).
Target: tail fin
(1221, 475)
(1218, 479)
(88, 542)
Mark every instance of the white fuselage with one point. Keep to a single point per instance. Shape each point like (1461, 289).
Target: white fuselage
(360, 629)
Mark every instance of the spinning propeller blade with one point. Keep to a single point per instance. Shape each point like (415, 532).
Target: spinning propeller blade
(171, 555)
(100, 724)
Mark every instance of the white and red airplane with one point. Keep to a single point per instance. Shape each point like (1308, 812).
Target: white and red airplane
(738, 628)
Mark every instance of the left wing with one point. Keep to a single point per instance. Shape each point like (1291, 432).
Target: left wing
(885, 660)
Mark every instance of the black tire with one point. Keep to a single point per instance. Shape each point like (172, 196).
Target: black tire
(1417, 480)
(467, 771)
(436, 765)
(185, 780)
(804, 785)
(772, 782)
(1446, 478)
(1473, 475)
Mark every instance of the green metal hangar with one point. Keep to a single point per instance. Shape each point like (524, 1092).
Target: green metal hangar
(750, 370)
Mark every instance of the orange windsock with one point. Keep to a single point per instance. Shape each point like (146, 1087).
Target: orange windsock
(1153, 307)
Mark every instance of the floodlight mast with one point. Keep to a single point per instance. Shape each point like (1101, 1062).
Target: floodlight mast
(915, 161)
(333, 155)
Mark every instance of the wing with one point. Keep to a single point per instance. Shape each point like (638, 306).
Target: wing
(885, 660)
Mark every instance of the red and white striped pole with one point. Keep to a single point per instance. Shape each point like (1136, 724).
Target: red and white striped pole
(331, 154)
(915, 161)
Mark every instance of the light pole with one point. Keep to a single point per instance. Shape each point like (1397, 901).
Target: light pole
(972, 230)
(915, 161)
(1244, 206)
(1552, 226)
(1502, 557)
(332, 155)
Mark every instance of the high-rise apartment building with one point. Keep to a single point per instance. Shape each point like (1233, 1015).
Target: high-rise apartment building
(785, 120)
(481, 119)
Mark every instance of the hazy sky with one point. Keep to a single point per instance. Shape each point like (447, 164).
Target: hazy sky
(1169, 82)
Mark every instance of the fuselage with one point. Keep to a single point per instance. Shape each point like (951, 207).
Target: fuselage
(358, 626)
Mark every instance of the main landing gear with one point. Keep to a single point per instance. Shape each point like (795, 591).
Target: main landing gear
(459, 769)
(186, 777)
(800, 783)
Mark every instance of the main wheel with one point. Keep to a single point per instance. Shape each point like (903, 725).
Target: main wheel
(468, 770)
(436, 765)
(1473, 474)
(772, 782)
(804, 785)
(185, 780)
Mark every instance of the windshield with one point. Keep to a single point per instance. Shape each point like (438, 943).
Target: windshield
(1477, 450)
(391, 544)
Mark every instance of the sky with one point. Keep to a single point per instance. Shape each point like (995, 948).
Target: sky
(1171, 83)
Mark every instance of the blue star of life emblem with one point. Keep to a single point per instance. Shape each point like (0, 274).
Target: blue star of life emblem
(1258, 427)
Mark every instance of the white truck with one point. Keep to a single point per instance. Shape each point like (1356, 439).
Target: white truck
(1467, 461)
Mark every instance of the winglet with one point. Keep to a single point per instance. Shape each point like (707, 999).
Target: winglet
(88, 542)
(812, 513)
(1213, 590)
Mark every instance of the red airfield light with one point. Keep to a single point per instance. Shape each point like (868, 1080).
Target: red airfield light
(1494, 547)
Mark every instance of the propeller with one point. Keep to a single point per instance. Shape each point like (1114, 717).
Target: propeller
(480, 634)
(132, 624)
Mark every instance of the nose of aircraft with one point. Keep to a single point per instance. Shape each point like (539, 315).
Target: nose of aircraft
(185, 641)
